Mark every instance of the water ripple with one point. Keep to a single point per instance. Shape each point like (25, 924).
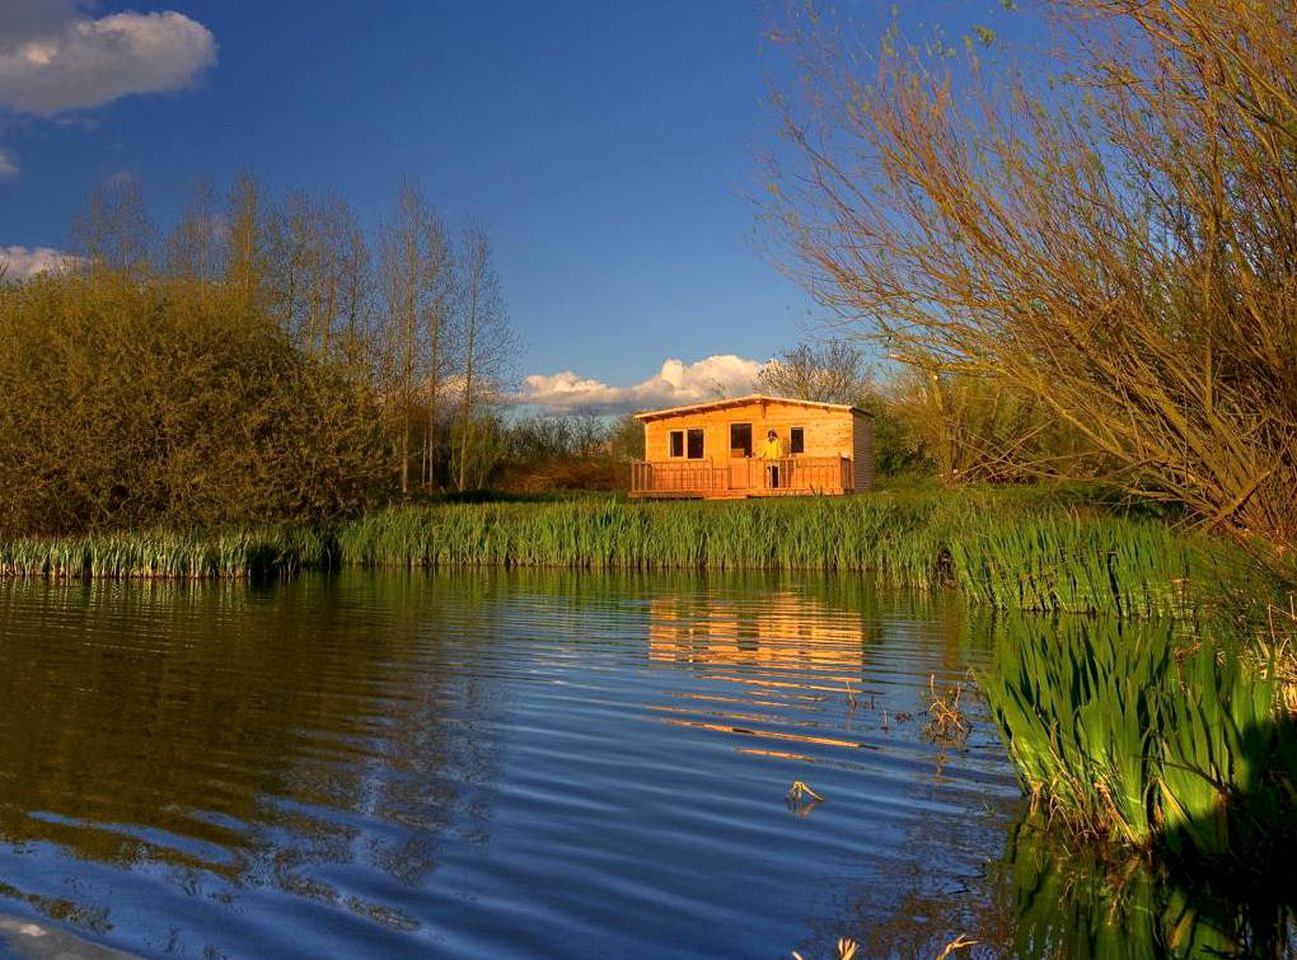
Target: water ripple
(479, 764)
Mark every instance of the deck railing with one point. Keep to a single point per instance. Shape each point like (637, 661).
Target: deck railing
(748, 477)
(681, 478)
(803, 475)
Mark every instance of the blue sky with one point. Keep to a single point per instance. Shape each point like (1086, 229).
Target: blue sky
(608, 147)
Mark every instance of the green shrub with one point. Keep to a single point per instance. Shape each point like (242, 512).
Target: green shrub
(133, 403)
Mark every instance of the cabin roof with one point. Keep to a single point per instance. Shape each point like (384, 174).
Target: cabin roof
(743, 401)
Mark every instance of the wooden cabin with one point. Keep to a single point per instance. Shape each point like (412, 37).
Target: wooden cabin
(717, 449)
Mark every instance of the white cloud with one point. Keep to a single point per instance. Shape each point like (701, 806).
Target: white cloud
(53, 59)
(23, 263)
(8, 168)
(675, 383)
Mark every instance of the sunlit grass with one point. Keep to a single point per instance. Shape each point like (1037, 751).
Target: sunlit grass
(1015, 549)
(170, 555)
(1007, 549)
(1122, 734)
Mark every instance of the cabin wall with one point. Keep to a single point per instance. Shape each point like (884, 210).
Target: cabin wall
(829, 433)
(862, 458)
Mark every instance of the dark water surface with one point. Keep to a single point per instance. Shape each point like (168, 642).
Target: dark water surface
(491, 764)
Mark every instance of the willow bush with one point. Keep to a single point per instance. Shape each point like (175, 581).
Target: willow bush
(1108, 229)
(132, 403)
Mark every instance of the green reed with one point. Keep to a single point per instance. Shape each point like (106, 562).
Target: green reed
(1119, 734)
(1009, 549)
(1003, 549)
(171, 555)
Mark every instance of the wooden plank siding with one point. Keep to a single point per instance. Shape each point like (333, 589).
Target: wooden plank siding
(862, 450)
(837, 456)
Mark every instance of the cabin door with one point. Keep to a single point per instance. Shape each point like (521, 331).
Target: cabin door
(740, 456)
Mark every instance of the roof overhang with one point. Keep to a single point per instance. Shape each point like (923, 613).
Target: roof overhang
(743, 401)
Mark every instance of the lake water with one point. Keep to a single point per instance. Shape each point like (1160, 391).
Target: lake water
(507, 764)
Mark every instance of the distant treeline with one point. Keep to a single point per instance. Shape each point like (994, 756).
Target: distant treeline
(265, 358)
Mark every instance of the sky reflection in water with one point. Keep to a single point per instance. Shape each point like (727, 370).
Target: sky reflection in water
(502, 764)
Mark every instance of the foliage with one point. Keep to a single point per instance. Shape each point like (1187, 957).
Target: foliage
(832, 371)
(962, 428)
(134, 402)
(568, 452)
(476, 446)
(836, 371)
(1117, 245)
(978, 430)
(249, 365)
(625, 440)
(899, 449)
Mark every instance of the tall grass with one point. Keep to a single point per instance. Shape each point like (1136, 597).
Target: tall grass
(231, 554)
(1120, 738)
(1004, 549)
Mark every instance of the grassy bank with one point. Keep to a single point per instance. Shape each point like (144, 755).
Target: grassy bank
(1024, 549)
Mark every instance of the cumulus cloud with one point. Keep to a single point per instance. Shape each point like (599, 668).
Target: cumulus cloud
(675, 383)
(23, 263)
(23, 20)
(54, 59)
(8, 168)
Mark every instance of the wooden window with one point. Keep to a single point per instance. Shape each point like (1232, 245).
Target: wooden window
(695, 445)
(797, 440)
(677, 447)
(740, 440)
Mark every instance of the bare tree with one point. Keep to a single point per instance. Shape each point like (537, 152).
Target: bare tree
(245, 266)
(195, 246)
(355, 295)
(415, 268)
(289, 246)
(833, 371)
(487, 344)
(1120, 246)
(317, 260)
(113, 229)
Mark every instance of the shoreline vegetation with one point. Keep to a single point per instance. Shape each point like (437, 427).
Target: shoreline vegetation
(1028, 549)
(1098, 255)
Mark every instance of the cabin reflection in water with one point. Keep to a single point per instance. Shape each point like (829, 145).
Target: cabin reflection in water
(786, 629)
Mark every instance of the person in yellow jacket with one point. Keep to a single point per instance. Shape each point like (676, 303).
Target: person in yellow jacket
(772, 451)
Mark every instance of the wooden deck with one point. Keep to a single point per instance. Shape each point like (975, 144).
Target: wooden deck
(703, 479)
